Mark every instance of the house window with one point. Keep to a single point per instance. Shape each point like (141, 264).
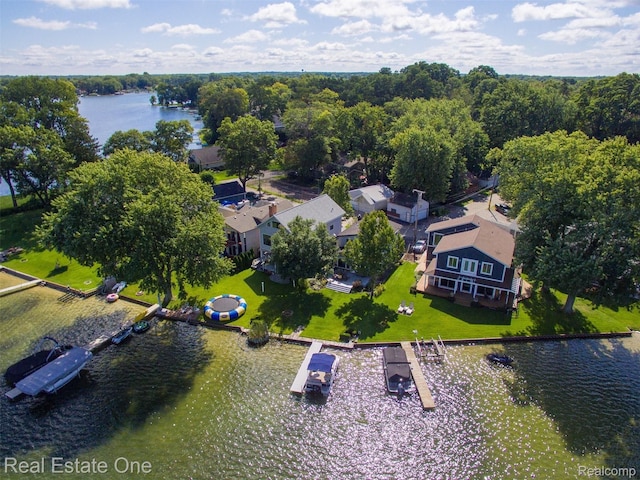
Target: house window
(469, 266)
(436, 238)
(266, 239)
(452, 262)
(331, 227)
(486, 268)
(445, 283)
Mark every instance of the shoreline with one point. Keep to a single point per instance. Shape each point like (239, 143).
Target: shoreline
(293, 338)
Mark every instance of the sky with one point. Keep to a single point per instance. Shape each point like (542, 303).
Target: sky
(100, 37)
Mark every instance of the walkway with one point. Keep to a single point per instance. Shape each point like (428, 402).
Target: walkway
(301, 378)
(418, 378)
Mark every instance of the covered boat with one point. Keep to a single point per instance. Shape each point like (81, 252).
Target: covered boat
(321, 373)
(397, 370)
(56, 374)
(38, 359)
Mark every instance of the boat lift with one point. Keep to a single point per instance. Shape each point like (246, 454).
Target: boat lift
(433, 350)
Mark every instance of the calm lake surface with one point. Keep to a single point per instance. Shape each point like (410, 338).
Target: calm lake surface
(197, 403)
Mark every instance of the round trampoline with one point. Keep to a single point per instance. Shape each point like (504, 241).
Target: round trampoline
(225, 307)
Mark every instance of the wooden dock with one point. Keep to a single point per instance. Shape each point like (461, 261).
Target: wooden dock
(301, 378)
(418, 377)
(18, 288)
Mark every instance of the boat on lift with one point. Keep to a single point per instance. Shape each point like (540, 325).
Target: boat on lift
(33, 362)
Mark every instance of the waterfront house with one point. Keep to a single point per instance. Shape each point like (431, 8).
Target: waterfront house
(241, 224)
(470, 260)
(321, 209)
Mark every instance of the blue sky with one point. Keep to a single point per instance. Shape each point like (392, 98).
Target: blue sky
(558, 37)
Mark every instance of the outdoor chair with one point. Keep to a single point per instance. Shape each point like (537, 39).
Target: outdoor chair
(409, 309)
(402, 307)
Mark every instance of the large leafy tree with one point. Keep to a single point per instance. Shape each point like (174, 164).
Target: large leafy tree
(301, 251)
(132, 139)
(362, 130)
(310, 128)
(219, 100)
(140, 217)
(172, 138)
(247, 146)
(424, 161)
(337, 187)
(578, 205)
(376, 248)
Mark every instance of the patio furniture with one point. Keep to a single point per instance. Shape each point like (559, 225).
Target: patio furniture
(402, 307)
(409, 310)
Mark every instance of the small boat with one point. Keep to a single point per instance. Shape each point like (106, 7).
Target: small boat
(38, 359)
(321, 373)
(122, 335)
(500, 359)
(141, 326)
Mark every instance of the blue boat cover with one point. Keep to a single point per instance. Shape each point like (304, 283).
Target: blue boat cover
(321, 362)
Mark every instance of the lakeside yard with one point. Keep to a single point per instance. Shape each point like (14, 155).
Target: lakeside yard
(326, 314)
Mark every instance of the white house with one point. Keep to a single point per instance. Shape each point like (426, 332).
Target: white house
(370, 198)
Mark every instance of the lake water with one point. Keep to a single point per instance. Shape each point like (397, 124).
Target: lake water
(110, 113)
(197, 403)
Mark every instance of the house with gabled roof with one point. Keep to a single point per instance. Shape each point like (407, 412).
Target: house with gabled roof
(241, 224)
(370, 198)
(322, 209)
(470, 257)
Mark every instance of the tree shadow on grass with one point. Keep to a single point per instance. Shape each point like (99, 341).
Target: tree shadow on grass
(285, 313)
(366, 316)
(586, 388)
(547, 318)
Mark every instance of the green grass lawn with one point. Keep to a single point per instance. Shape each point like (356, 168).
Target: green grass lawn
(326, 314)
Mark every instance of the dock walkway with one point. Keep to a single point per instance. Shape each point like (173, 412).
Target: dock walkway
(301, 378)
(418, 377)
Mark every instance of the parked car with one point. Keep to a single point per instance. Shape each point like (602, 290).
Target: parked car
(420, 246)
(503, 208)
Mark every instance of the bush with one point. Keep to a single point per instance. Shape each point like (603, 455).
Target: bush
(243, 261)
(377, 291)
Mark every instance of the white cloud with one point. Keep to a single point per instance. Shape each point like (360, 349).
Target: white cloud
(88, 4)
(54, 25)
(571, 9)
(361, 8)
(571, 36)
(351, 29)
(251, 36)
(180, 30)
(426, 24)
(277, 15)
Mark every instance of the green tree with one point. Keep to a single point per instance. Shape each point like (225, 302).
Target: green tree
(577, 201)
(132, 139)
(361, 133)
(172, 138)
(140, 217)
(218, 101)
(247, 146)
(337, 187)
(300, 251)
(376, 248)
(424, 161)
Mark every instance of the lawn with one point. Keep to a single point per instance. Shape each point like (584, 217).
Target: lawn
(326, 314)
